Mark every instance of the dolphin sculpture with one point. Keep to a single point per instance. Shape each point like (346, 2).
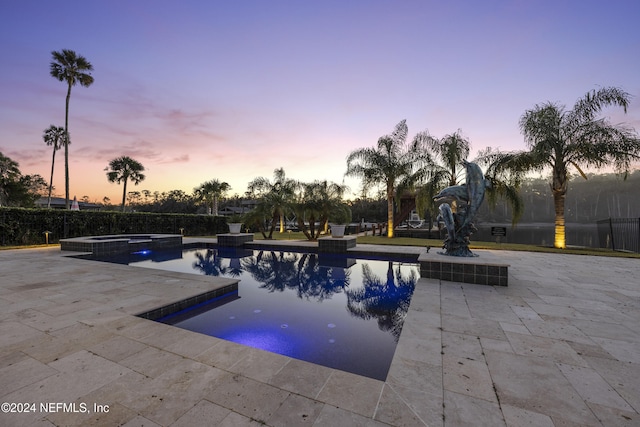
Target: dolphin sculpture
(468, 197)
(455, 192)
(476, 186)
(447, 217)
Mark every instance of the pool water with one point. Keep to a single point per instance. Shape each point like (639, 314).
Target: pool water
(343, 313)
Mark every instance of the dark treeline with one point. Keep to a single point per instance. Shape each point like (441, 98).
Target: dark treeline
(600, 196)
(175, 201)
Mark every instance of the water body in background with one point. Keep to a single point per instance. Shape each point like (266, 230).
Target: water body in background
(540, 234)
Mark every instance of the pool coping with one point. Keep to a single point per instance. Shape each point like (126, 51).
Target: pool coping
(174, 307)
(555, 347)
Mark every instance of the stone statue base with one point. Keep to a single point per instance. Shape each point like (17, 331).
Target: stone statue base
(487, 269)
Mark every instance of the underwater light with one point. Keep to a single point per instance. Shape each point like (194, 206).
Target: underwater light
(142, 252)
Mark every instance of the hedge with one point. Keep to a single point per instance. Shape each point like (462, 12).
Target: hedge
(19, 226)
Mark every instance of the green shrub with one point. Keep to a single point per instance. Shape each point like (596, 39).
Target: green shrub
(20, 226)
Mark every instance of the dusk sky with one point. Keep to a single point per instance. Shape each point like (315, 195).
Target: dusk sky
(231, 90)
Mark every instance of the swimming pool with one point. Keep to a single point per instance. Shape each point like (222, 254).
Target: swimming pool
(344, 313)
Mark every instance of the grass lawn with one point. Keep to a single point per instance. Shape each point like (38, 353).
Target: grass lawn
(407, 241)
(29, 246)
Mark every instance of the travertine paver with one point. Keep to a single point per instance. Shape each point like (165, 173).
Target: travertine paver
(300, 377)
(464, 410)
(559, 346)
(537, 384)
(352, 392)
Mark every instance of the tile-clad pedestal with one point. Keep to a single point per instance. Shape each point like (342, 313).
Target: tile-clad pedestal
(486, 269)
(229, 239)
(336, 244)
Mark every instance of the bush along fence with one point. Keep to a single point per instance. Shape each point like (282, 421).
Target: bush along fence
(619, 234)
(20, 226)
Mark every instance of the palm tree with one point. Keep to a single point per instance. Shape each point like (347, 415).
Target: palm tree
(393, 162)
(71, 68)
(275, 196)
(328, 197)
(450, 151)
(257, 217)
(211, 192)
(558, 139)
(123, 169)
(319, 202)
(447, 154)
(53, 136)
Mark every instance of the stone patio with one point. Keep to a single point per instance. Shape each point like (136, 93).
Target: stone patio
(560, 346)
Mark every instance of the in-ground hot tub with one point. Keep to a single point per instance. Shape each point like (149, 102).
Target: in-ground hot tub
(120, 243)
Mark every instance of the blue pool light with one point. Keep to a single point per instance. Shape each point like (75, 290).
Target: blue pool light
(143, 252)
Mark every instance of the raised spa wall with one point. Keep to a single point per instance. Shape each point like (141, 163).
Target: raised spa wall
(120, 243)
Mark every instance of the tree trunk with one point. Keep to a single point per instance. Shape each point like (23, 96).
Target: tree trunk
(124, 194)
(273, 225)
(303, 227)
(559, 186)
(389, 211)
(214, 208)
(312, 227)
(53, 160)
(558, 203)
(66, 150)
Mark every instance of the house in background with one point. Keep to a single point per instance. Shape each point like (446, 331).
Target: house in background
(59, 203)
(245, 206)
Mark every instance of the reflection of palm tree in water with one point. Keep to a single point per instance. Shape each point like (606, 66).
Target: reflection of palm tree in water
(299, 272)
(388, 301)
(317, 281)
(209, 263)
(275, 271)
(235, 267)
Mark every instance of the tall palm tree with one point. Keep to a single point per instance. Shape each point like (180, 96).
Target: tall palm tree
(123, 169)
(54, 136)
(211, 192)
(558, 139)
(393, 163)
(71, 68)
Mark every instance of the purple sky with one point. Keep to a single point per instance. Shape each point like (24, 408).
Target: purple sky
(231, 90)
